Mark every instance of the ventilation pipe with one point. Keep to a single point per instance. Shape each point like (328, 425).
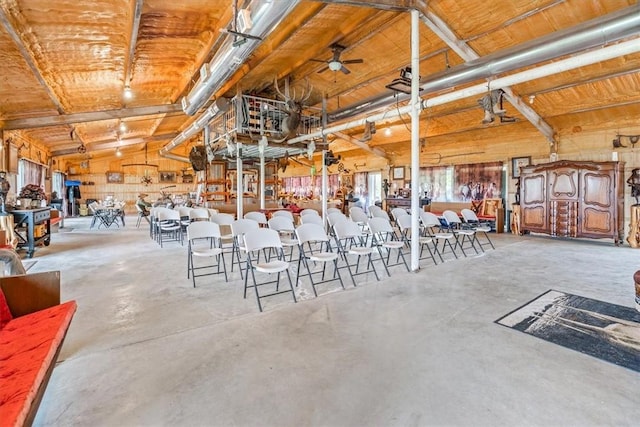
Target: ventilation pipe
(234, 51)
(220, 106)
(591, 34)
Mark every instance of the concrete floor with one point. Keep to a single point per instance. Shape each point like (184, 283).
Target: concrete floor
(145, 348)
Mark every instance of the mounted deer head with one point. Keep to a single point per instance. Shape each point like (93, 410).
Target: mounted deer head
(290, 123)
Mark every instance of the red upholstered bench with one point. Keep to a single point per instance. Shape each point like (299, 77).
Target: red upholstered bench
(33, 325)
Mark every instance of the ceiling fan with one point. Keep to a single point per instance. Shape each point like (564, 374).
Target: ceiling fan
(146, 162)
(335, 63)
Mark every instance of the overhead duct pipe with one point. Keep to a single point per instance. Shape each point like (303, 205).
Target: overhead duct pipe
(234, 51)
(586, 58)
(220, 106)
(595, 33)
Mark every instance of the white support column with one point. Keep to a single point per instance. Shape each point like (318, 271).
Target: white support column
(262, 181)
(239, 198)
(415, 139)
(325, 184)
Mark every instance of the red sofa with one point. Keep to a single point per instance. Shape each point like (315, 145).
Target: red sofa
(33, 325)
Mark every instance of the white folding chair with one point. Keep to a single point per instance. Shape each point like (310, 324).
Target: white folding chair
(286, 214)
(304, 212)
(204, 242)
(263, 239)
(373, 209)
(239, 228)
(350, 241)
(383, 236)
(285, 228)
(258, 217)
(309, 234)
(404, 223)
(198, 214)
(432, 227)
(472, 220)
(312, 219)
(463, 235)
(169, 224)
(333, 210)
(380, 214)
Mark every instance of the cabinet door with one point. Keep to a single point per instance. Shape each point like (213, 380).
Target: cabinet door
(598, 208)
(563, 184)
(533, 202)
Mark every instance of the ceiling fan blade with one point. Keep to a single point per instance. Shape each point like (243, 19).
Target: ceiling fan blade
(323, 69)
(345, 70)
(353, 61)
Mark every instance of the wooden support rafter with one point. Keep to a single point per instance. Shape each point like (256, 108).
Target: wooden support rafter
(376, 151)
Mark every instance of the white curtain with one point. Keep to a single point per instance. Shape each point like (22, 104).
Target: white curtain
(29, 173)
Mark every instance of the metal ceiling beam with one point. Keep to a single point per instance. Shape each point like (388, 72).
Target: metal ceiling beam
(442, 30)
(376, 151)
(92, 116)
(135, 27)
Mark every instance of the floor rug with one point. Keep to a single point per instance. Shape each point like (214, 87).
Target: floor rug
(607, 331)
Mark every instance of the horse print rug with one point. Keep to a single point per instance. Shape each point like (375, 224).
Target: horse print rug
(597, 328)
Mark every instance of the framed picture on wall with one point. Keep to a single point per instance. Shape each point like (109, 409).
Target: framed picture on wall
(517, 163)
(115, 177)
(397, 172)
(187, 179)
(166, 176)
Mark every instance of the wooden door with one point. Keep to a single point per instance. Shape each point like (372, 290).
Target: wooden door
(533, 202)
(598, 208)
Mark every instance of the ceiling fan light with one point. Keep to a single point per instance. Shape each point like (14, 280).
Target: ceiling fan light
(335, 65)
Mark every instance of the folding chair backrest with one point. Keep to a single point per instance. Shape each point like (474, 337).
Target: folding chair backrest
(380, 214)
(355, 209)
(184, 211)
(262, 238)
(332, 210)
(286, 214)
(358, 215)
(380, 225)
(451, 217)
(222, 218)
(281, 223)
(202, 229)
(374, 208)
(168, 215)
(242, 226)
(311, 233)
(429, 219)
(347, 229)
(397, 212)
(335, 217)
(256, 216)
(404, 222)
(469, 215)
(312, 219)
(212, 211)
(198, 213)
(304, 212)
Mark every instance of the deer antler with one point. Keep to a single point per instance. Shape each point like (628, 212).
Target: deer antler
(275, 83)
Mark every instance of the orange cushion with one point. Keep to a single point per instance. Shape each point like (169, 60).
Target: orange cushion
(28, 345)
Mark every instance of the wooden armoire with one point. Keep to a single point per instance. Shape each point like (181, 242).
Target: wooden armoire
(573, 199)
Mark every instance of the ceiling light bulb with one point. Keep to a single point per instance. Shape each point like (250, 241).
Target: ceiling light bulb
(531, 98)
(387, 132)
(123, 126)
(128, 94)
(118, 152)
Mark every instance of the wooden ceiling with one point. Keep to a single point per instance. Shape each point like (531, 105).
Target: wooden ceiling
(66, 64)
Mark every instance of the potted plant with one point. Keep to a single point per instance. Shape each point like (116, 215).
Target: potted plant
(31, 192)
